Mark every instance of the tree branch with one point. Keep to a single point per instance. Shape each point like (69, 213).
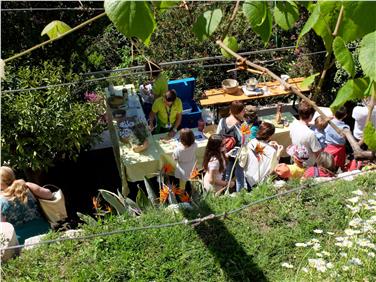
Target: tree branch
(231, 20)
(53, 39)
(358, 152)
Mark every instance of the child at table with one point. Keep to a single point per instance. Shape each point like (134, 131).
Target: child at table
(215, 164)
(319, 130)
(185, 156)
(300, 155)
(335, 142)
(324, 167)
(252, 120)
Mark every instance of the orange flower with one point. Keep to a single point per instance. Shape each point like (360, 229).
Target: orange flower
(96, 204)
(259, 151)
(185, 198)
(177, 191)
(167, 168)
(163, 194)
(194, 173)
(244, 129)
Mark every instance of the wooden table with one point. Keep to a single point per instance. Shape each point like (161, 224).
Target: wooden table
(217, 97)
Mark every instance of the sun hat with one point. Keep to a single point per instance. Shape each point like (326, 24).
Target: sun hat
(283, 171)
(298, 151)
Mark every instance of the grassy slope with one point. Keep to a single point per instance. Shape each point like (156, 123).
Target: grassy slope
(251, 245)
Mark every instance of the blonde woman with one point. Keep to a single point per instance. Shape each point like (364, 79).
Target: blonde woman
(19, 206)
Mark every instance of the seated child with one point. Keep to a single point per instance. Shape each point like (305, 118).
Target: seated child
(252, 120)
(215, 164)
(335, 142)
(185, 156)
(296, 170)
(319, 130)
(324, 167)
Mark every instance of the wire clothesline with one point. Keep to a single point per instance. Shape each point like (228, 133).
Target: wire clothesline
(192, 60)
(135, 73)
(192, 222)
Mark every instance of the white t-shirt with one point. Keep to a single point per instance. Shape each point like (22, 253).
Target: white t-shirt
(212, 165)
(360, 115)
(185, 158)
(259, 166)
(301, 135)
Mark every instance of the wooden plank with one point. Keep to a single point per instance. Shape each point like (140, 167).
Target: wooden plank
(217, 96)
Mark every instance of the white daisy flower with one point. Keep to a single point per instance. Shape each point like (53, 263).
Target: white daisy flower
(300, 244)
(355, 261)
(345, 268)
(351, 232)
(371, 254)
(318, 231)
(305, 269)
(329, 265)
(287, 265)
(325, 253)
(330, 233)
(355, 222)
(353, 200)
(316, 246)
(342, 254)
(357, 192)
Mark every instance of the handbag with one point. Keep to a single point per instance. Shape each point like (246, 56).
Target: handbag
(228, 136)
(54, 209)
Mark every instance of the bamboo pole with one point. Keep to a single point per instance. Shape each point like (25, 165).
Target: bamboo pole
(358, 152)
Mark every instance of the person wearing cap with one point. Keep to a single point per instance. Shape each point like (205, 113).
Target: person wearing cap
(296, 170)
(167, 110)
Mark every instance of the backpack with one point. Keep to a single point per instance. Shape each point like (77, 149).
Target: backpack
(229, 135)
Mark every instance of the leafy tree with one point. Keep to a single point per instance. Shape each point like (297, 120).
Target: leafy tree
(337, 23)
(44, 126)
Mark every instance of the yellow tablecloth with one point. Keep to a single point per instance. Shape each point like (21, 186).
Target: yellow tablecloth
(151, 161)
(282, 134)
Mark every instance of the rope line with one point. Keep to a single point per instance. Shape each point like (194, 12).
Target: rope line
(192, 222)
(134, 73)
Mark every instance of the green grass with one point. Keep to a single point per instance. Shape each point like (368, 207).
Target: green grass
(249, 246)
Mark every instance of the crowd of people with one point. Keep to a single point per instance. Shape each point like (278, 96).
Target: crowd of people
(317, 149)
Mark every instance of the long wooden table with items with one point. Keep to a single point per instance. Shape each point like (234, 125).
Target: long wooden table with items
(216, 97)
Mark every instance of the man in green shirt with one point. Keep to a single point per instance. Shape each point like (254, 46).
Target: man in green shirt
(168, 110)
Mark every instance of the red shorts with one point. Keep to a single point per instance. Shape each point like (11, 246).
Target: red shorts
(339, 154)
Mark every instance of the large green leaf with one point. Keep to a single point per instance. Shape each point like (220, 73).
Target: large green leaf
(367, 55)
(255, 11)
(286, 14)
(131, 18)
(343, 55)
(231, 43)
(358, 19)
(207, 23)
(353, 89)
(160, 85)
(164, 5)
(114, 201)
(149, 189)
(141, 199)
(326, 22)
(369, 136)
(309, 80)
(313, 18)
(259, 16)
(55, 28)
